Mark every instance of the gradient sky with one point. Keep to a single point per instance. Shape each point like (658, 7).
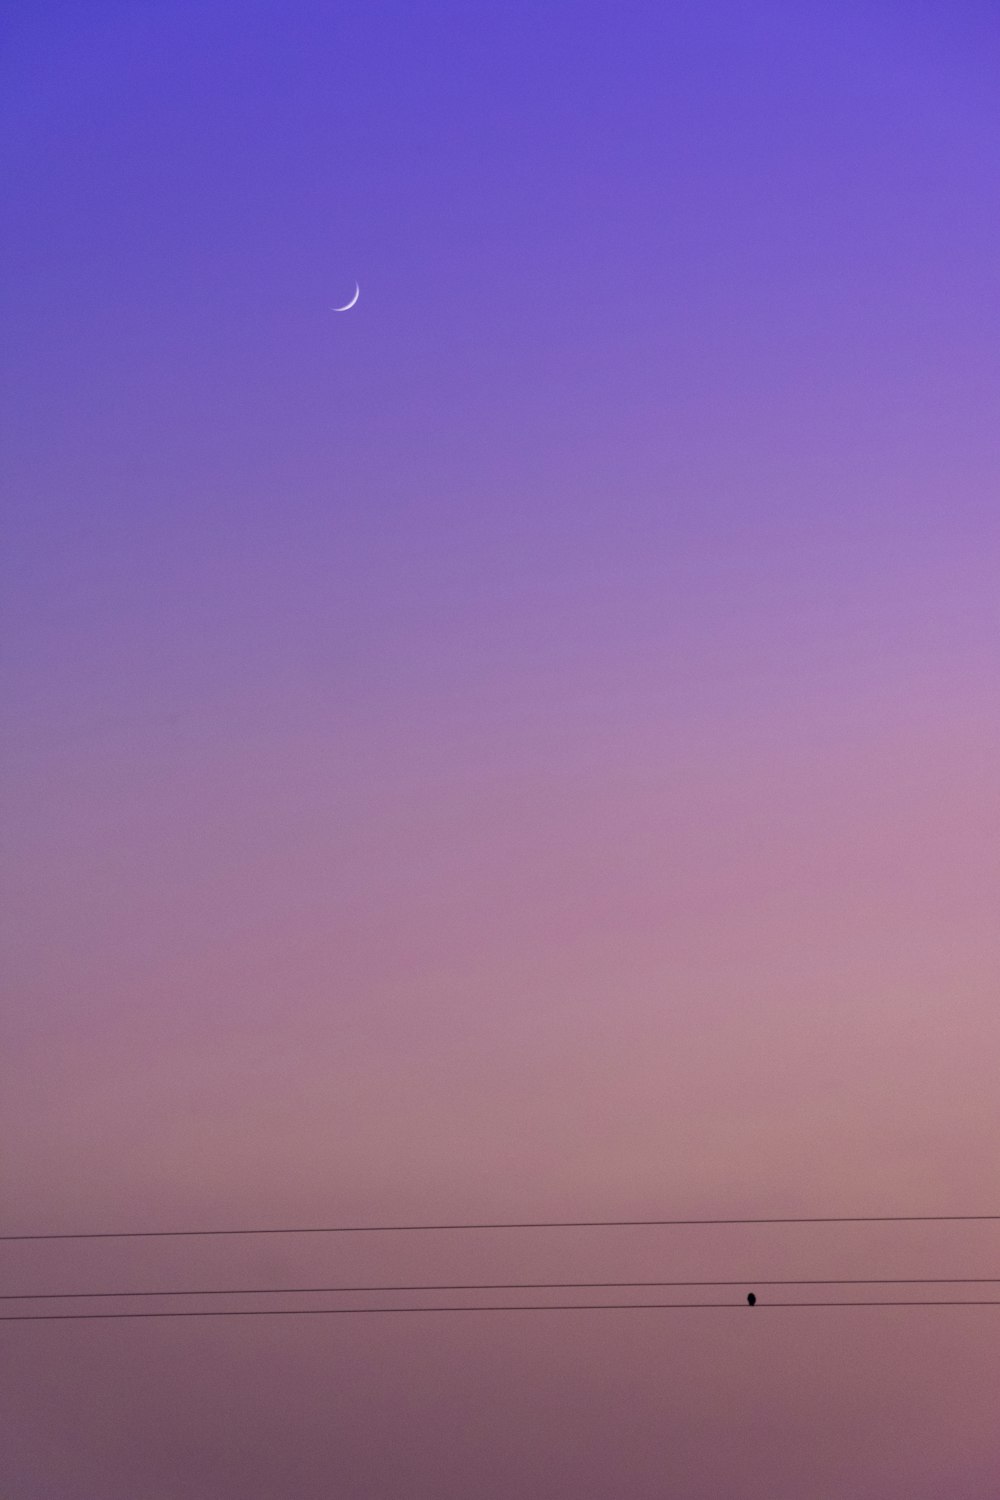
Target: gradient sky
(524, 748)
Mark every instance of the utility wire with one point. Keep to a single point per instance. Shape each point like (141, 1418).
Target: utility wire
(511, 1286)
(282, 1312)
(146, 1234)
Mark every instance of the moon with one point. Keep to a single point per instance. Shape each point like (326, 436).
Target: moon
(347, 305)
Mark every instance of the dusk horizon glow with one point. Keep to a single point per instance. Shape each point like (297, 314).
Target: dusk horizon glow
(521, 748)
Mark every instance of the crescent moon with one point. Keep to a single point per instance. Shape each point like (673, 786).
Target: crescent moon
(347, 305)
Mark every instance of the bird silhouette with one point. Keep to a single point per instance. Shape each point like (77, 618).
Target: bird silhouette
(751, 1299)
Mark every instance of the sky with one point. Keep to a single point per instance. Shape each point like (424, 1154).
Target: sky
(524, 749)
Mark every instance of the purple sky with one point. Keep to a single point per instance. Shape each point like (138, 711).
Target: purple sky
(525, 748)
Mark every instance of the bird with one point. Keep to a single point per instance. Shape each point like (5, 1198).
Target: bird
(751, 1299)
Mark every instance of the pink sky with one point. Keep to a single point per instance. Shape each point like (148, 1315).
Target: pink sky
(524, 749)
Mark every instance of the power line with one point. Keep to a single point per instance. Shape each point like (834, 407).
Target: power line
(283, 1312)
(145, 1234)
(511, 1286)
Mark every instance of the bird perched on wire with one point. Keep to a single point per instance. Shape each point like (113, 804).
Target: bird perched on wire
(751, 1299)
